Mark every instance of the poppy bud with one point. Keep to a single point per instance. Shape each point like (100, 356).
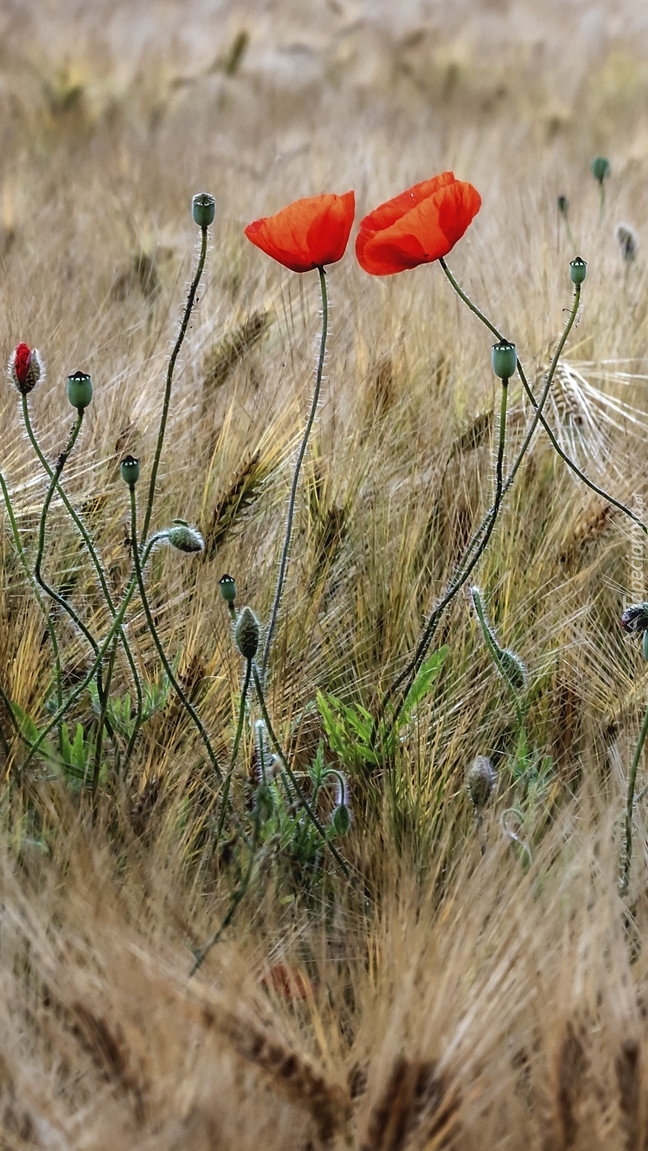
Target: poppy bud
(481, 781)
(264, 802)
(246, 633)
(578, 270)
(627, 242)
(203, 208)
(79, 390)
(130, 470)
(341, 819)
(184, 538)
(25, 368)
(227, 585)
(600, 168)
(504, 359)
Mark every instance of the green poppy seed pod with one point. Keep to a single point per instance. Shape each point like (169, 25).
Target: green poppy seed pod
(512, 668)
(79, 390)
(578, 270)
(481, 781)
(227, 585)
(185, 538)
(563, 205)
(246, 633)
(341, 819)
(600, 168)
(203, 208)
(130, 470)
(504, 359)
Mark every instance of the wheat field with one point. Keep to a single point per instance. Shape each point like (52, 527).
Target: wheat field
(476, 981)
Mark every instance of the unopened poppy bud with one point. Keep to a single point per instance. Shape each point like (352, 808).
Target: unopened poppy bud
(504, 359)
(563, 205)
(130, 470)
(203, 207)
(227, 585)
(635, 618)
(480, 781)
(341, 819)
(246, 633)
(264, 802)
(25, 368)
(79, 390)
(185, 538)
(600, 168)
(512, 668)
(577, 270)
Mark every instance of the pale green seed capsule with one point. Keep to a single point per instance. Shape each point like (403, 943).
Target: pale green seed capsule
(79, 390)
(203, 208)
(578, 270)
(504, 359)
(130, 470)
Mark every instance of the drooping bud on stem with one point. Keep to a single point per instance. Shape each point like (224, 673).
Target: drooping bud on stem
(185, 538)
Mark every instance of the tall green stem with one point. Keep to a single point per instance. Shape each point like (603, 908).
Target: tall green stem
(184, 324)
(632, 783)
(186, 703)
(283, 565)
(235, 748)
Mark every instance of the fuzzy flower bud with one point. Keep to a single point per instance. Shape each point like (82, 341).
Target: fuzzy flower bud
(203, 208)
(504, 359)
(512, 668)
(247, 633)
(79, 390)
(481, 781)
(130, 470)
(227, 585)
(25, 368)
(184, 538)
(578, 270)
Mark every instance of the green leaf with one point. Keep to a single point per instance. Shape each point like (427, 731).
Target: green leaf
(425, 677)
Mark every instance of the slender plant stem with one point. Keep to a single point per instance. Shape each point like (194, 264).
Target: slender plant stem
(103, 717)
(541, 416)
(283, 564)
(184, 700)
(632, 783)
(92, 552)
(200, 954)
(480, 538)
(184, 324)
(115, 629)
(235, 747)
(292, 777)
(496, 653)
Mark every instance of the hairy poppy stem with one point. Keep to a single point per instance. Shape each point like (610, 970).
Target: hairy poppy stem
(186, 703)
(538, 407)
(632, 783)
(283, 564)
(184, 324)
(235, 747)
(481, 536)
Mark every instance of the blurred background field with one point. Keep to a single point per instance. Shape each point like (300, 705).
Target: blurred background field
(443, 998)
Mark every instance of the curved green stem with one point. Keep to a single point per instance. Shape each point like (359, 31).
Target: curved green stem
(292, 777)
(632, 783)
(283, 564)
(538, 407)
(87, 540)
(235, 747)
(115, 629)
(186, 703)
(482, 535)
(184, 324)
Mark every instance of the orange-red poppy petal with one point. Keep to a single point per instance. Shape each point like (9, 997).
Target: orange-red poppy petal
(419, 225)
(307, 234)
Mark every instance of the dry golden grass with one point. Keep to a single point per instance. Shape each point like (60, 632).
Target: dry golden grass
(452, 999)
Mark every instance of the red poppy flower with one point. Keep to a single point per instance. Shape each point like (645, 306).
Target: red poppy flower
(25, 367)
(421, 225)
(307, 234)
(288, 982)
